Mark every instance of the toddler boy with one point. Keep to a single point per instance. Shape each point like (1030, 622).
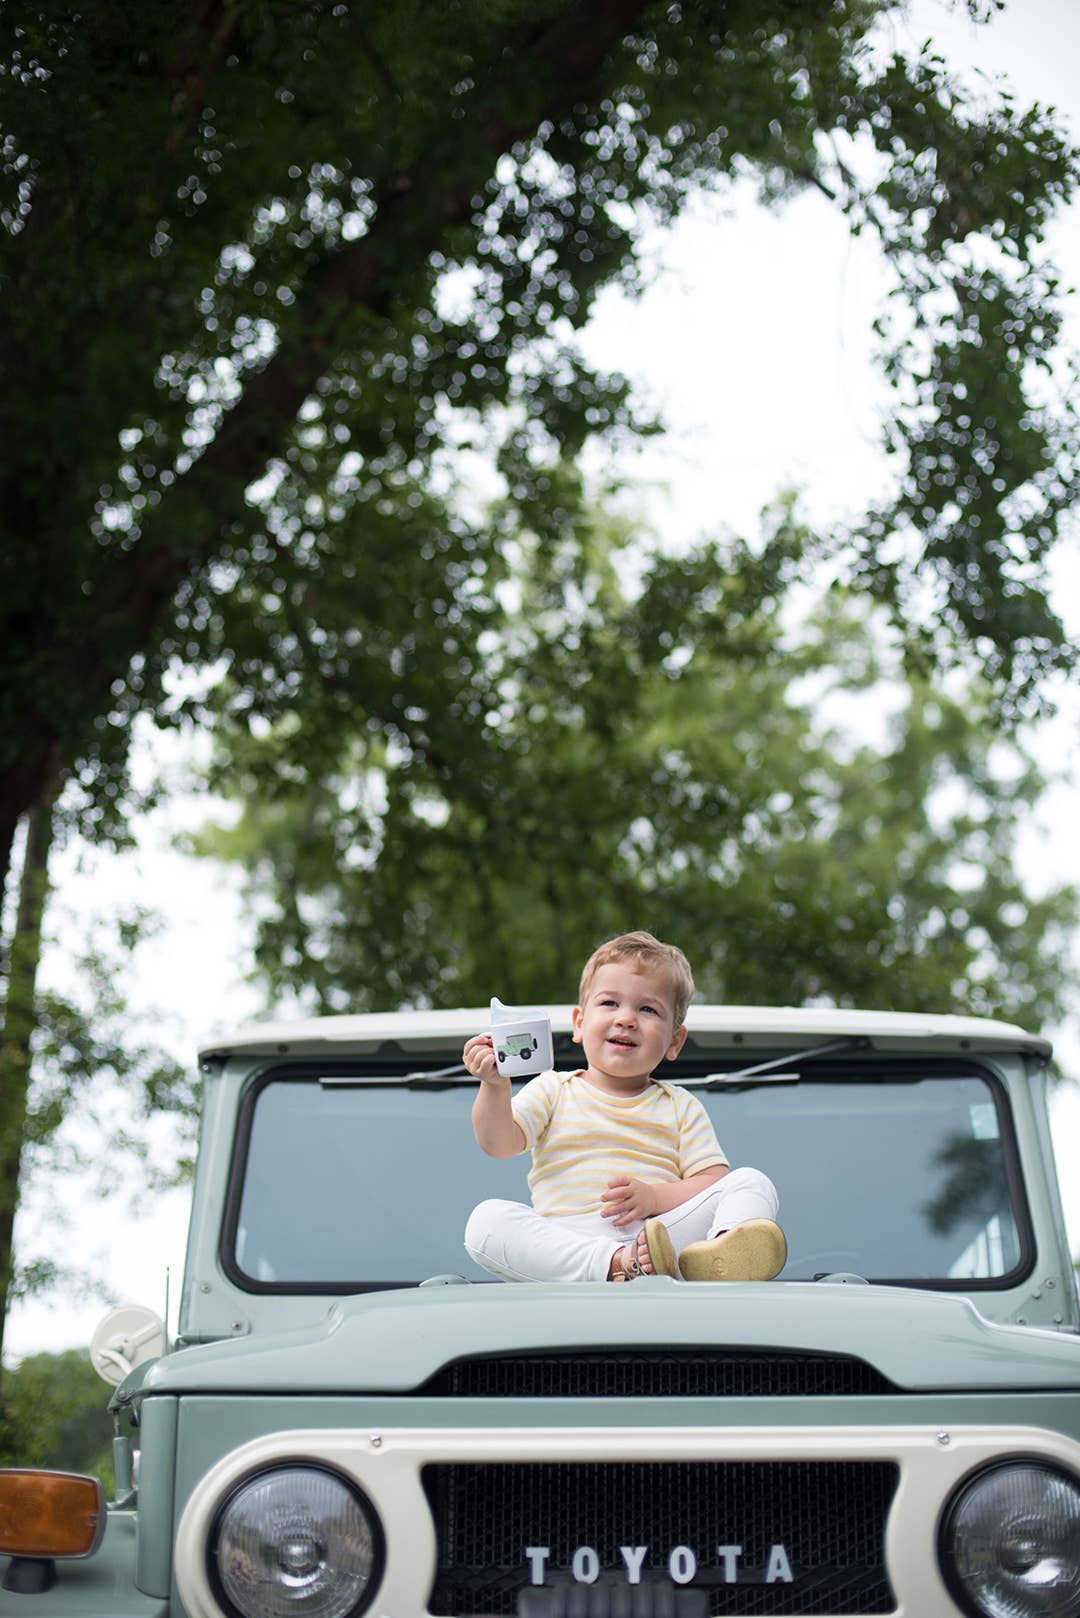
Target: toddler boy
(627, 1175)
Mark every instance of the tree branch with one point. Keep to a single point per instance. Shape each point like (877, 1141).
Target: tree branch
(412, 217)
(545, 73)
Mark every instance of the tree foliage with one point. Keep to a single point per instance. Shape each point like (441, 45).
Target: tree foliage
(587, 754)
(80, 1053)
(268, 268)
(226, 237)
(55, 1415)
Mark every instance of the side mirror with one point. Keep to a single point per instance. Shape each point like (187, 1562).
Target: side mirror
(126, 1337)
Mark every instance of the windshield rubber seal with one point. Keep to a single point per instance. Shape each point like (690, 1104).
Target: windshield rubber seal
(380, 1072)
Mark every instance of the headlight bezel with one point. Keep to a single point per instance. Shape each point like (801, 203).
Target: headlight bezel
(954, 1582)
(306, 1464)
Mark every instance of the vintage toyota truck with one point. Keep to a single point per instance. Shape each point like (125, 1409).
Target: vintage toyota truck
(353, 1419)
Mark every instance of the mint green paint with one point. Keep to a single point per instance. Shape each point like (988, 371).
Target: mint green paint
(212, 1427)
(256, 1365)
(214, 1308)
(396, 1340)
(157, 1472)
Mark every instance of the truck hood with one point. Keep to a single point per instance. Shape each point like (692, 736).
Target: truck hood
(392, 1342)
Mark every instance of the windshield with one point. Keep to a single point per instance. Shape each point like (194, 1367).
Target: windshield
(894, 1178)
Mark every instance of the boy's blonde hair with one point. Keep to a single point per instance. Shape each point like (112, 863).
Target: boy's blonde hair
(650, 953)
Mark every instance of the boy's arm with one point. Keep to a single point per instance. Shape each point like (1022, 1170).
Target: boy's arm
(627, 1199)
(496, 1129)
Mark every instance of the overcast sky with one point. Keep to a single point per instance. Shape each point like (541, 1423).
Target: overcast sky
(753, 342)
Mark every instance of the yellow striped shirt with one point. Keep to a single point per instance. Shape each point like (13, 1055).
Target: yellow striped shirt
(582, 1137)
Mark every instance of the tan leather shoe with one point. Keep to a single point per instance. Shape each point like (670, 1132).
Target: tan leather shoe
(661, 1255)
(753, 1251)
(661, 1250)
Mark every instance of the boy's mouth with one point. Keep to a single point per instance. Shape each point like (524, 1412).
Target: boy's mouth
(622, 1042)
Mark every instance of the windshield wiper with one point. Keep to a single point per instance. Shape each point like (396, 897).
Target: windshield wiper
(770, 1072)
(761, 1073)
(436, 1077)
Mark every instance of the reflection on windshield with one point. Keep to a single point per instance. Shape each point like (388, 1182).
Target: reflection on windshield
(973, 1184)
(892, 1180)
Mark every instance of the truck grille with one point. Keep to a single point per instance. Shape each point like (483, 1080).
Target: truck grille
(828, 1516)
(686, 1374)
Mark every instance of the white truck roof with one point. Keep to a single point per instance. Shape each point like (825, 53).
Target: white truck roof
(711, 1027)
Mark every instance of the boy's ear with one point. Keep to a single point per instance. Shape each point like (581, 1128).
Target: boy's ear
(577, 1014)
(678, 1040)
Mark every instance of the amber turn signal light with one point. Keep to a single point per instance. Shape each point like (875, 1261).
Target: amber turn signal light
(50, 1513)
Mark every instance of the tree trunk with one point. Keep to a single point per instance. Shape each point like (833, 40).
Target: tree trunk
(24, 956)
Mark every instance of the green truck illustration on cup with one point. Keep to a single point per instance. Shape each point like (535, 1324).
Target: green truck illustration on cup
(522, 1041)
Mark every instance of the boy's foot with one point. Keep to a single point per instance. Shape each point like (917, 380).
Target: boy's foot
(754, 1251)
(651, 1253)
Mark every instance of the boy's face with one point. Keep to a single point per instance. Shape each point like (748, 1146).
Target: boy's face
(627, 1025)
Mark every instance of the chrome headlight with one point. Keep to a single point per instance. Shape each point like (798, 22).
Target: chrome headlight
(296, 1542)
(1010, 1542)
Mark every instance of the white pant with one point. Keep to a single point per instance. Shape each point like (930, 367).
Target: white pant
(514, 1242)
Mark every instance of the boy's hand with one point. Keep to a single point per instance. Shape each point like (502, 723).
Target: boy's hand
(479, 1059)
(628, 1200)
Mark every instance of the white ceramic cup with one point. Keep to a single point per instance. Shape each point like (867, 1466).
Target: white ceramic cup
(522, 1041)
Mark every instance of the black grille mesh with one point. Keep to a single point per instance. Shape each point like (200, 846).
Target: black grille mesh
(688, 1374)
(828, 1515)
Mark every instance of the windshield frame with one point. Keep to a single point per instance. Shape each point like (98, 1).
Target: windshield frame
(405, 1071)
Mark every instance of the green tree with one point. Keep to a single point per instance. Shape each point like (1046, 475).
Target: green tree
(594, 757)
(55, 1415)
(226, 236)
(265, 268)
(79, 1051)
